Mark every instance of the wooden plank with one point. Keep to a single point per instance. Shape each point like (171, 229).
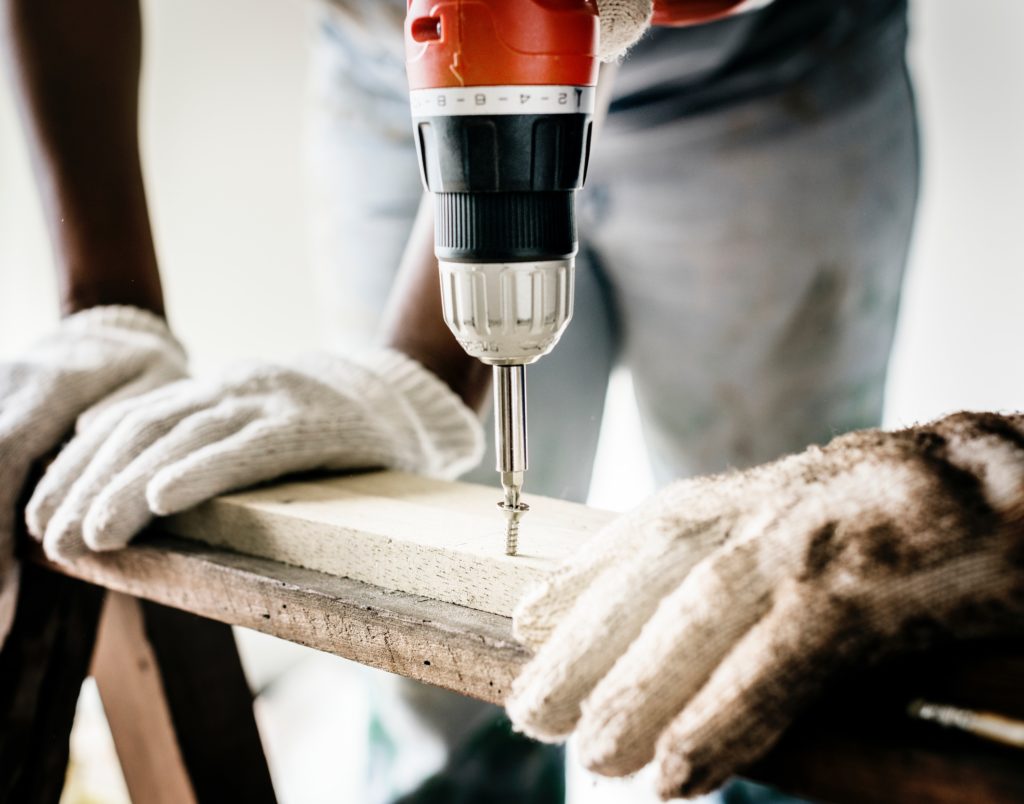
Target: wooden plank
(130, 686)
(42, 665)
(461, 649)
(397, 531)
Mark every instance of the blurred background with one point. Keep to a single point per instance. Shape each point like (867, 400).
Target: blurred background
(224, 113)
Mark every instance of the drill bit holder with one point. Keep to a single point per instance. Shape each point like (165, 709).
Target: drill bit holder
(507, 313)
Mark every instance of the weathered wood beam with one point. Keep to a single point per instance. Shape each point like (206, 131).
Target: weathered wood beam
(468, 651)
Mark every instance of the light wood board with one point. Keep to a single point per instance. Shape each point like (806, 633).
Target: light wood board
(399, 532)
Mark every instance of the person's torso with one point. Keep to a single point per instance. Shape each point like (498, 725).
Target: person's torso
(704, 67)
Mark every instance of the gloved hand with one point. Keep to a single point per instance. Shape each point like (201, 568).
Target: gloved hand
(176, 447)
(695, 629)
(623, 22)
(94, 359)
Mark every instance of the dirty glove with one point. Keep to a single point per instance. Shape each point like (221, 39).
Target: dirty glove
(94, 359)
(693, 630)
(170, 450)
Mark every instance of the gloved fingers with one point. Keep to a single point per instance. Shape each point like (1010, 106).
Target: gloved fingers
(120, 510)
(754, 694)
(679, 647)
(149, 380)
(70, 463)
(148, 418)
(260, 451)
(544, 607)
(607, 617)
(54, 488)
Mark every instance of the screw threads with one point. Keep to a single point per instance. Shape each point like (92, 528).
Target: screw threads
(513, 513)
(512, 536)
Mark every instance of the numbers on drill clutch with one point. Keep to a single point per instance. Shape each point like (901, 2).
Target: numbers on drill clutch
(501, 100)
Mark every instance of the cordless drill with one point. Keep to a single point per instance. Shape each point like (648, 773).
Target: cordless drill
(502, 95)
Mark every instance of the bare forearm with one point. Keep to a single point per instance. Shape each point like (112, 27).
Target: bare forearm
(414, 323)
(76, 68)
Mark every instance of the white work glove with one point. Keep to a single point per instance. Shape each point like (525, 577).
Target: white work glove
(623, 22)
(172, 449)
(695, 629)
(94, 359)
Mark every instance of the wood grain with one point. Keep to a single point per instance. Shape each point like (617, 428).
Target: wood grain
(128, 678)
(397, 531)
(458, 648)
(179, 707)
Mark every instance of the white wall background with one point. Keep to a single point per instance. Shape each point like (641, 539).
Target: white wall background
(962, 326)
(224, 95)
(222, 129)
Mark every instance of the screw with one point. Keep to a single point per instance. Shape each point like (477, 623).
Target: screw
(512, 517)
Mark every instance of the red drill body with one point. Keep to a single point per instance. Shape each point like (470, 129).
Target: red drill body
(454, 43)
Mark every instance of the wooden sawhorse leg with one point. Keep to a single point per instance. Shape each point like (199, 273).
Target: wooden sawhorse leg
(172, 687)
(179, 707)
(42, 665)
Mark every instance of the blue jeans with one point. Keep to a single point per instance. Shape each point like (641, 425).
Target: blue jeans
(744, 262)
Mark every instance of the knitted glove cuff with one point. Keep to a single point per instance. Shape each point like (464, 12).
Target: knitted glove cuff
(450, 434)
(123, 317)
